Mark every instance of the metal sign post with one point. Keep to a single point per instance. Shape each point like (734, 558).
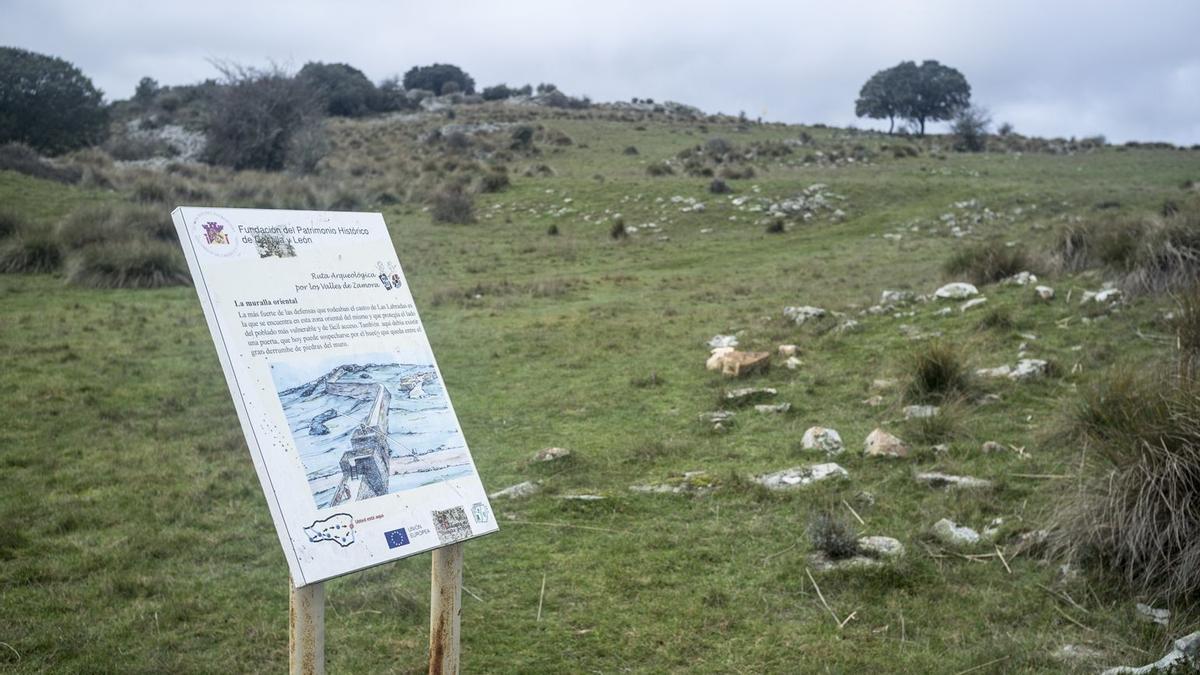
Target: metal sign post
(445, 610)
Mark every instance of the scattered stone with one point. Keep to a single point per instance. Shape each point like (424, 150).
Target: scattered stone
(941, 449)
(1044, 293)
(951, 534)
(880, 547)
(992, 446)
(740, 364)
(788, 350)
(998, 371)
(800, 476)
(874, 401)
(551, 454)
(1021, 279)
(824, 439)
(804, 314)
(582, 498)
(956, 291)
(821, 562)
(993, 529)
(973, 302)
(777, 408)
(747, 395)
(716, 360)
(792, 363)
(1161, 617)
(895, 297)
(691, 482)
(918, 412)
(1104, 296)
(1185, 653)
(883, 384)
(847, 326)
(937, 479)
(1029, 369)
(720, 420)
(864, 498)
(880, 443)
(526, 489)
(723, 341)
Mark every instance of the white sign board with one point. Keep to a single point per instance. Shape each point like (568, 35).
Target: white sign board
(347, 417)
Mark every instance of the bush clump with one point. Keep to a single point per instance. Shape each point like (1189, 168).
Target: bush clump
(48, 103)
(30, 251)
(139, 263)
(10, 223)
(25, 160)
(453, 205)
(936, 372)
(833, 536)
(1136, 516)
(987, 263)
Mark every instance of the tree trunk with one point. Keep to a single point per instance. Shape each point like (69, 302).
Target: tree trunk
(891, 124)
(922, 120)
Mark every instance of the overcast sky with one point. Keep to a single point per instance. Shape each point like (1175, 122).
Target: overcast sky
(1128, 70)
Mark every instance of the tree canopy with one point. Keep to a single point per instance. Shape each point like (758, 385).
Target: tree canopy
(928, 92)
(435, 78)
(345, 90)
(48, 103)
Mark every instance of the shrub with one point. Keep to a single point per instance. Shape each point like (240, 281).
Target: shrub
(256, 117)
(719, 187)
(970, 128)
(1136, 515)
(453, 205)
(1187, 334)
(139, 263)
(151, 191)
(552, 230)
(48, 103)
(497, 92)
(987, 263)
(936, 372)
(25, 160)
(998, 318)
(618, 231)
(1152, 254)
(435, 77)
(776, 227)
(660, 169)
(522, 137)
(10, 223)
(105, 224)
(30, 251)
(630, 150)
(833, 536)
(495, 180)
(344, 90)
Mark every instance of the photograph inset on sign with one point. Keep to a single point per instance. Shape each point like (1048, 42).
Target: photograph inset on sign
(369, 425)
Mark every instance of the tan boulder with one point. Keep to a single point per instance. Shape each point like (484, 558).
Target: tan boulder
(740, 364)
(882, 444)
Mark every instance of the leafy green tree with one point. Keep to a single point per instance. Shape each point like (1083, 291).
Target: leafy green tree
(435, 77)
(344, 89)
(928, 92)
(48, 103)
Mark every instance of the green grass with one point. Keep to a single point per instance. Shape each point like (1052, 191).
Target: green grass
(134, 537)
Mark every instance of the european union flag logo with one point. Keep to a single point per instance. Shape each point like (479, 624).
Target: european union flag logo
(396, 538)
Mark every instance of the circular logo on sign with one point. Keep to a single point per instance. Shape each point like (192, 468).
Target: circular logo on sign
(214, 234)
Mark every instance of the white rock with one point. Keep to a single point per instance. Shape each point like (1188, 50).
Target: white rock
(788, 350)
(824, 439)
(948, 532)
(881, 547)
(895, 297)
(800, 476)
(1022, 279)
(747, 394)
(998, 371)
(937, 479)
(1028, 369)
(792, 363)
(716, 361)
(920, 411)
(804, 314)
(551, 454)
(974, 302)
(1161, 617)
(526, 489)
(956, 291)
(723, 341)
(1044, 292)
(1186, 651)
(777, 408)
(880, 443)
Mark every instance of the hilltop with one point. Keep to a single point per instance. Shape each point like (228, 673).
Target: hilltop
(575, 268)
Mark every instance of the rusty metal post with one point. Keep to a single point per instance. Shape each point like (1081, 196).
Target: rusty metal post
(445, 610)
(306, 634)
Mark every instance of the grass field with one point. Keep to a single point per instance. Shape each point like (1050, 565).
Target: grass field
(134, 536)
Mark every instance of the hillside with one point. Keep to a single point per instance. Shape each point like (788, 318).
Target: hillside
(576, 310)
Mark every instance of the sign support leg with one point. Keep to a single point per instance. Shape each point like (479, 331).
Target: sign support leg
(306, 639)
(445, 610)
